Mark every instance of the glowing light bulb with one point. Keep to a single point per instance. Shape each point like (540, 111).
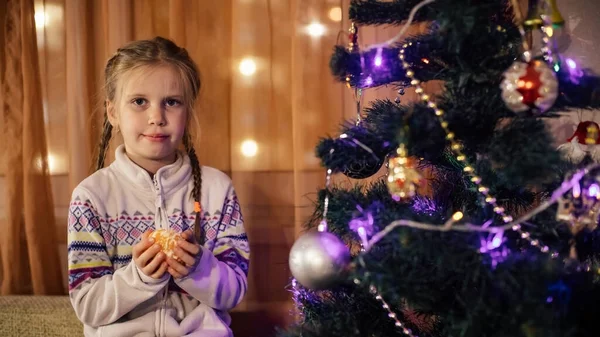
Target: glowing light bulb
(41, 19)
(249, 148)
(316, 29)
(593, 190)
(378, 58)
(335, 14)
(457, 216)
(51, 163)
(496, 242)
(247, 67)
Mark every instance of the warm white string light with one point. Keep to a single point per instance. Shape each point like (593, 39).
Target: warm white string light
(247, 67)
(316, 29)
(249, 148)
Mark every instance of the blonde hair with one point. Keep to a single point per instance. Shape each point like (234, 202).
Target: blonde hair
(155, 52)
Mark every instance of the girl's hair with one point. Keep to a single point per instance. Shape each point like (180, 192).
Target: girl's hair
(155, 52)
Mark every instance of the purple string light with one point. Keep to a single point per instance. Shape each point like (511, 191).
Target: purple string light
(363, 225)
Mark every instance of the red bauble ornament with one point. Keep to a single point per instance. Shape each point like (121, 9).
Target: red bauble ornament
(529, 86)
(532, 85)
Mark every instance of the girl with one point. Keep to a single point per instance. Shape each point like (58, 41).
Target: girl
(120, 283)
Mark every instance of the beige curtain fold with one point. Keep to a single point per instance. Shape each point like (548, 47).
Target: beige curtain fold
(3, 147)
(79, 57)
(30, 262)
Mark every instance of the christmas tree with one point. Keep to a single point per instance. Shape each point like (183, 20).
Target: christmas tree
(505, 243)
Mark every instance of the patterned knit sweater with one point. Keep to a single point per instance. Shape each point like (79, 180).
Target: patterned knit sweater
(109, 212)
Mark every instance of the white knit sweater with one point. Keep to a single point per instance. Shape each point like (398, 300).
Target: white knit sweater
(109, 212)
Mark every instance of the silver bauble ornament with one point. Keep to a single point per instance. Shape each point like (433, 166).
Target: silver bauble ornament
(318, 260)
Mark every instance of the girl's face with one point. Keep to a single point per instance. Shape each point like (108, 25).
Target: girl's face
(150, 113)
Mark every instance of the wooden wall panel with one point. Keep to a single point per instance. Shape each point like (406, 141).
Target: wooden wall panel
(207, 34)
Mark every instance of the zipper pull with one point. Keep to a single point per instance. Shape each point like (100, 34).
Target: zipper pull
(155, 182)
(159, 196)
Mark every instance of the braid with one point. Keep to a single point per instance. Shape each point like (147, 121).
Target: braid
(197, 190)
(106, 135)
(106, 126)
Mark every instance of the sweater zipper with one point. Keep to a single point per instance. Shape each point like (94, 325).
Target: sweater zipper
(159, 204)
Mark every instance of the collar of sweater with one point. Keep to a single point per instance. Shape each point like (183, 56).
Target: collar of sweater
(168, 178)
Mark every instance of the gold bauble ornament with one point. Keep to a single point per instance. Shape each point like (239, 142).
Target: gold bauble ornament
(403, 177)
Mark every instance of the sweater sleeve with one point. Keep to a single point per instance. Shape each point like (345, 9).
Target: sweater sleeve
(99, 294)
(220, 277)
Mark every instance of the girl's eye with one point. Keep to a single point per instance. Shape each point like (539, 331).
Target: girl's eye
(172, 102)
(139, 101)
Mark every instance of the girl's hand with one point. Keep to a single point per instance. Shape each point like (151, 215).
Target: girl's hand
(189, 252)
(149, 258)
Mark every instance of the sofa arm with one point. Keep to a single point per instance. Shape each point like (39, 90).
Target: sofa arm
(38, 316)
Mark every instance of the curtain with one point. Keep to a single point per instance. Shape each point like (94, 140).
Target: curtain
(30, 259)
